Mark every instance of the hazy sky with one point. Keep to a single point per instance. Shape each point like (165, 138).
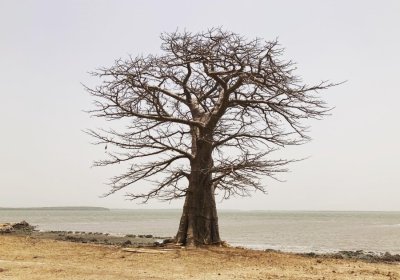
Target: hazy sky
(47, 48)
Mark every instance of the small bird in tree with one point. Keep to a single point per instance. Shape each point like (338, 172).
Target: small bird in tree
(202, 117)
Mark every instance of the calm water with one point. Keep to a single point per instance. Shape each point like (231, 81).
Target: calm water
(287, 231)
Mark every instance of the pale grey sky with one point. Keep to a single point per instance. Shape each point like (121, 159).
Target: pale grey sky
(47, 48)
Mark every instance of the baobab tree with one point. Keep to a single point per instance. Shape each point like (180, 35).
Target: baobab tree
(202, 117)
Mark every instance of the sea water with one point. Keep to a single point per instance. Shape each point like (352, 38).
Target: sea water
(291, 231)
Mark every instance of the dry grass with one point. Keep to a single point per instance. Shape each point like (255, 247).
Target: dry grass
(28, 258)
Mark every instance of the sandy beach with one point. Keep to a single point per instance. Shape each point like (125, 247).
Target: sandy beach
(24, 257)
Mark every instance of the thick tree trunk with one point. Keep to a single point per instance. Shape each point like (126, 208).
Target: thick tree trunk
(199, 221)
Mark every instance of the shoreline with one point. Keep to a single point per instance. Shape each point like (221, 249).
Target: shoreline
(23, 229)
(29, 254)
(288, 232)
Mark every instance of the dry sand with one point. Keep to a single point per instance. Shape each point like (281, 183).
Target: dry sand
(31, 258)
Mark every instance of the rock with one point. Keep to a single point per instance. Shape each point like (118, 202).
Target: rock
(169, 240)
(387, 257)
(311, 254)
(126, 243)
(13, 227)
(24, 226)
(74, 239)
(360, 255)
(6, 228)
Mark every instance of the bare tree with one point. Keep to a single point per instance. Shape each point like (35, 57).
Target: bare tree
(202, 117)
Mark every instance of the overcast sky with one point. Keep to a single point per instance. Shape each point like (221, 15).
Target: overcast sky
(47, 48)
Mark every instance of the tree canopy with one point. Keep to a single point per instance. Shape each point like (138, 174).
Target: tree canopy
(212, 103)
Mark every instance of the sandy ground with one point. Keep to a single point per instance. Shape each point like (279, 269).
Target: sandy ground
(30, 258)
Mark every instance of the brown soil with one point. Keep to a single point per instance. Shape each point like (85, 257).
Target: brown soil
(32, 258)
